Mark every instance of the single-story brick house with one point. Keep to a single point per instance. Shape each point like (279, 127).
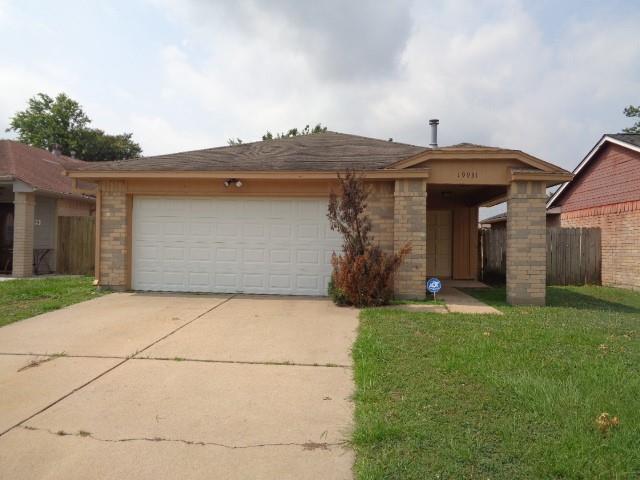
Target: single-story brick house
(34, 192)
(605, 193)
(252, 217)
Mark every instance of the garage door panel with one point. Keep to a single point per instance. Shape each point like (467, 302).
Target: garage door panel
(307, 257)
(253, 232)
(224, 280)
(280, 231)
(307, 233)
(280, 256)
(266, 245)
(254, 255)
(200, 253)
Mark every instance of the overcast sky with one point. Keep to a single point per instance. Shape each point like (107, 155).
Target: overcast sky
(547, 77)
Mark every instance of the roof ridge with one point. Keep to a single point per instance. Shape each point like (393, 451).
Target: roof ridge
(374, 138)
(282, 139)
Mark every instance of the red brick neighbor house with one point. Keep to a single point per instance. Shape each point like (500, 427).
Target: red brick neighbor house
(605, 193)
(34, 192)
(251, 218)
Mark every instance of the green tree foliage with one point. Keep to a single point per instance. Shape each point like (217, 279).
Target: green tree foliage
(294, 132)
(632, 112)
(47, 121)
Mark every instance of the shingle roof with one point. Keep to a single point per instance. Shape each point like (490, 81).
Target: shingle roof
(328, 151)
(630, 138)
(499, 218)
(37, 167)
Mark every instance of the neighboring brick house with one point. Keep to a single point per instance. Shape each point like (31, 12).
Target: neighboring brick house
(605, 193)
(34, 192)
(251, 218)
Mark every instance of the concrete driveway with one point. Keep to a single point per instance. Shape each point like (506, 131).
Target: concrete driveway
(178, 386)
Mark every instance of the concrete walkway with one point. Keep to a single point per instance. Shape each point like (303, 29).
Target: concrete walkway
(459, 302)
(152, 386)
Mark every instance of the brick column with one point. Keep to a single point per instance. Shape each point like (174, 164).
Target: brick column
(113, 241)
(526, 243)
(23, 218)
(410, 226)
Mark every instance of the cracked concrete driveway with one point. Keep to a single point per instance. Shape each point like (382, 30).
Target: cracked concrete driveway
(178, 386)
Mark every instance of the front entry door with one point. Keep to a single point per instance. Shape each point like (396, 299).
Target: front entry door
(439, 243)
(465, 243)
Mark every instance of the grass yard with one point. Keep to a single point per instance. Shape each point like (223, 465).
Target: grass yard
(501, 397)
(25, 298)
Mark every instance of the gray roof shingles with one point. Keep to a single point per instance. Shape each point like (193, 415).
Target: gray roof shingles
(630, 138)
(329, 151)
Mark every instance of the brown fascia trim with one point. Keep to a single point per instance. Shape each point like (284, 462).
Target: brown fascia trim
(263, 175)
(475, 154)
(551, 178)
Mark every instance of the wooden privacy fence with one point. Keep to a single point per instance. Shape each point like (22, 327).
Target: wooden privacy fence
(573, 255)
(76, 245)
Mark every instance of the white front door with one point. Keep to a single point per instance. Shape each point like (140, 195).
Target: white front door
(226, 245)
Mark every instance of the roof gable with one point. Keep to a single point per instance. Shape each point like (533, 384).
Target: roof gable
(467, 151)
(629, 141)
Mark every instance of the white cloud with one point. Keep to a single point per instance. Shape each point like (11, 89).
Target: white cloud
(491, 70)
(159, 136)
(491, 78)
(17, 85)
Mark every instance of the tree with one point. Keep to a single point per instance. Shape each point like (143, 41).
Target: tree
(47, 121)
(96, 145)
(294, 132)
(363, 273)
(632, 112)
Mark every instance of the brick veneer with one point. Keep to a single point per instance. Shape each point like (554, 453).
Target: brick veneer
(24, 210)
(526, 243)
(380, 210)
(113, 231)
(410, 226)
(620, 239)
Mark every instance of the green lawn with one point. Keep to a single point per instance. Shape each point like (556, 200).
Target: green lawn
(501, 397)
(28, 297)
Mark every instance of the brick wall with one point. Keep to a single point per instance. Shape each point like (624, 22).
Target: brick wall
(410, 226)
(113, 231)
(526, 243)
(380, 210)
(620, 230)
(612, 176)
(24, 209)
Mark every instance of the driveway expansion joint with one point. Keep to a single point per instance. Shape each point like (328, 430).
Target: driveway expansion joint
(309, 445)
(123, 361)
(133, 356)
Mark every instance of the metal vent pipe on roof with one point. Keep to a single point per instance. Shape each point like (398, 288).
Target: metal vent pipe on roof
(434, 132)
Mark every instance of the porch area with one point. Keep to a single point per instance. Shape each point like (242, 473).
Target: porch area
(27, 233)
(442, 219)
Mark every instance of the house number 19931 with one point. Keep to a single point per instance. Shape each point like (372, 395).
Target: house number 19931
(467, 174)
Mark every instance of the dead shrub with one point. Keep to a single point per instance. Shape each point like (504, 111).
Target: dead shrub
(363, 273)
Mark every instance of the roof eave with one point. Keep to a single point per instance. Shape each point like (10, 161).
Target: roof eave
(381, 174)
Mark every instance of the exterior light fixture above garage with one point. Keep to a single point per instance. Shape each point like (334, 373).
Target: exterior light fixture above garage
(233, 181)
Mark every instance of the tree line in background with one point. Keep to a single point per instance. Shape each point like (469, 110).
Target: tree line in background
(292, 132)
(61, 120)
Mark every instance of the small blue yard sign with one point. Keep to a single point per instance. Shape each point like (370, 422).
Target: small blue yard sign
(434, 285)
